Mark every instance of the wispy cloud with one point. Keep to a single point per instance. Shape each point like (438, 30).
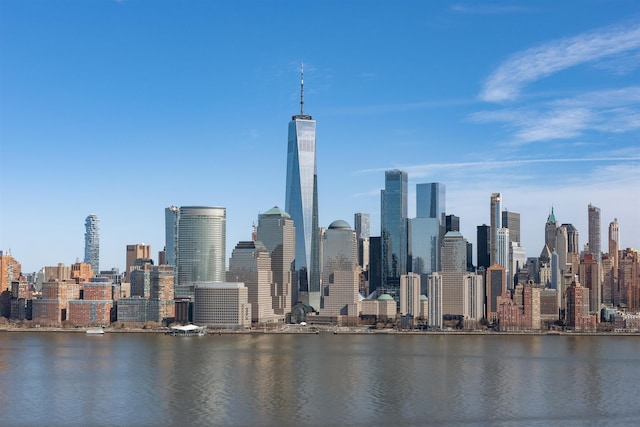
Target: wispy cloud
(427, 168)
(487, 8)
(612, 111)
(524, 67)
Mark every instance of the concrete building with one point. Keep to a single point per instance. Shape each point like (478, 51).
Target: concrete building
(277, 233)
(410, 295)
(594, 232)
(495, 287)
(250, 264)
(340, 274)
(589, 275)
(221, 304)
(578, 317)
(434, 319)
(614, 243)
(10, 270)
(134, 252)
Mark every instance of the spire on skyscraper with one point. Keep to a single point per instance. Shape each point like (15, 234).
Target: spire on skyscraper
(302, 89)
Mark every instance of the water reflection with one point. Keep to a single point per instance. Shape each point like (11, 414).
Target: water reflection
(325, 379)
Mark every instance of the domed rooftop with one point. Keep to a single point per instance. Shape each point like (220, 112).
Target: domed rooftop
(385, 297)
(339, 224)
(277, 211)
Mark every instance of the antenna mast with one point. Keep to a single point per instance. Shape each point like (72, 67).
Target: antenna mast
(302, 89)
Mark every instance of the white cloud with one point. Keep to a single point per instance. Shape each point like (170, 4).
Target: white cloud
(524, 67)
(607, 111)
(487, 8)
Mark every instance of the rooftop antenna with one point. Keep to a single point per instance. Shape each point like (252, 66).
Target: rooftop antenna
(302, 89)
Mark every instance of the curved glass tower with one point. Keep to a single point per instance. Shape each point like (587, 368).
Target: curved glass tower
(301, 202)
(201, 248)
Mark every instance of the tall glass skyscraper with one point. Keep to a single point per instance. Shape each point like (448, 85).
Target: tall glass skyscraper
(171, 215)
(394, 228)
(427, 229)
(301, 202)
(92, 243)
(201, 248)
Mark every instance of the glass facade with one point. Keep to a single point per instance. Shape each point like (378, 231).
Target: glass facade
(394, 228)
(201, 245)
(171, 215)
(92, 243)
(427, 229)
(301, 202)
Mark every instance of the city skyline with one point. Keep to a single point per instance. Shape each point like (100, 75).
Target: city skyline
(546, 115)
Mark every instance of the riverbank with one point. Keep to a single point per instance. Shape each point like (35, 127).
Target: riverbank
(307, 330)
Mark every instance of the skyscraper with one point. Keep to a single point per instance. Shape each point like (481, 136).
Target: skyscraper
(427, 229)
(277, 233)
(394, 228)
(452, 223)
(594, 231)
(362, 227)
(92, 243)
(134, 252)
(301, 201)
(496, 222)
(483, 246)
(511, 220)
(201, 246)
(614, 242)
(171, 215)
(550, 231)
(250, 264)
(339, 274)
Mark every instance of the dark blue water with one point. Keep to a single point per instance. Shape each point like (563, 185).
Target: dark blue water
(326, 379)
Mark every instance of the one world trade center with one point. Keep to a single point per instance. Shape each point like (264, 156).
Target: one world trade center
(301, 202)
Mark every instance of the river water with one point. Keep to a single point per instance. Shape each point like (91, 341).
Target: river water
(142, 379)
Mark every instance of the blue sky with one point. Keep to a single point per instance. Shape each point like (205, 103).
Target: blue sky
(123, 108)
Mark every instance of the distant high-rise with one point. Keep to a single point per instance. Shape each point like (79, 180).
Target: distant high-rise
(301, 201)
(427, 229)
(496, 285)
(483, 246)
(201, 246)
(362, 227)
(134, 252)
(550, 231)
(92, 242)
(511, 220)
(594, 231)
(171, 215)
(394, 228)
(277, 233)
(496, 223)
(614, 242)
(452, 223)
(573, 241)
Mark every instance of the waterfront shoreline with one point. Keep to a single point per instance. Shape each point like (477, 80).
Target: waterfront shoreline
(324, 330)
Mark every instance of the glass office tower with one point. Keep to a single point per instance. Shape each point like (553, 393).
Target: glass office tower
(301, 202)
(394, 228)
(201, 246)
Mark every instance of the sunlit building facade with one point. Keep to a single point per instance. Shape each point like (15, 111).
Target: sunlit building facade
(92, 242)
(301, 202)
(394, 228)
(201, 246)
